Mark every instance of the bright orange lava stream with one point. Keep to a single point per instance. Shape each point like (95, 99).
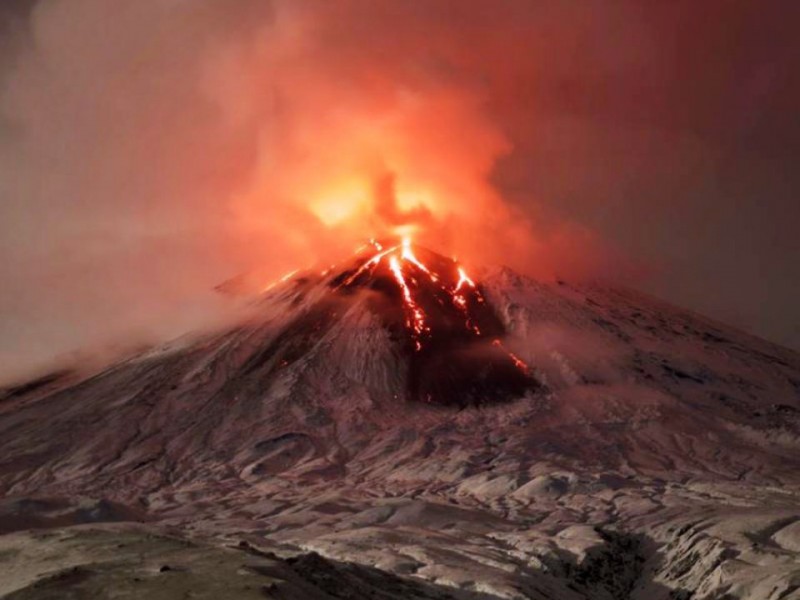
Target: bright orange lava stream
(520, 364)
(403, 254)
(408, 255)
(403, 263)
(417, 319)
(286, 277)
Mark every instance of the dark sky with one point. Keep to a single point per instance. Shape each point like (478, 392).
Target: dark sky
(679, 139)
(657, 143)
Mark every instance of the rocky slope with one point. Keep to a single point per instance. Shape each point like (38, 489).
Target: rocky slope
(635, 450)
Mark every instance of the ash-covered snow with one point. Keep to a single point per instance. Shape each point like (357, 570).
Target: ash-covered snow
(656, 456)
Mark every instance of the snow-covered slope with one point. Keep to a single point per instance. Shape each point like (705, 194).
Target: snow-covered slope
(590, 443)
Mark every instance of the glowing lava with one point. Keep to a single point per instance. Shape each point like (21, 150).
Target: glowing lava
(416, 319)
(462, 279)
(417, 280)
(518, 362)
(405, 266)
(408, 254)
(427, 284)
(286, 277)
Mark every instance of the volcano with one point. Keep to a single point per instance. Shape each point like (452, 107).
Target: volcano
(398, 427)
(444, 340)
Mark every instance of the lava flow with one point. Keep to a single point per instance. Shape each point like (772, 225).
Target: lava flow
(447, 336)
(428, 286)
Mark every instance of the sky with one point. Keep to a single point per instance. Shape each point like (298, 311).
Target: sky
(151, 150)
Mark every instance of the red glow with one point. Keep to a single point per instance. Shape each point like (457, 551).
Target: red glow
(371, 263)
(518, 362)
(401, 258)
(411, 275)
(286, 277)
(416, 320)
(462, 279)
(404, 265)
(408, 254)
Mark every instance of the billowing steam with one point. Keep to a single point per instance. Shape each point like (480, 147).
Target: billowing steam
(150, 150)
(155, 149)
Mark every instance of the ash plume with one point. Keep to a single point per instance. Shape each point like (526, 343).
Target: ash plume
(149, 151)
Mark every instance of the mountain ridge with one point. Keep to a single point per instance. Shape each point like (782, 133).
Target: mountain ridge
(647, 422)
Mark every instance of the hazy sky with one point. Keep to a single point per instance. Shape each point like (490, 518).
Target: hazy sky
(149, 150)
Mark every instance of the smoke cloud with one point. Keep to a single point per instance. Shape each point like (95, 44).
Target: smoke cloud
(149, 151)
